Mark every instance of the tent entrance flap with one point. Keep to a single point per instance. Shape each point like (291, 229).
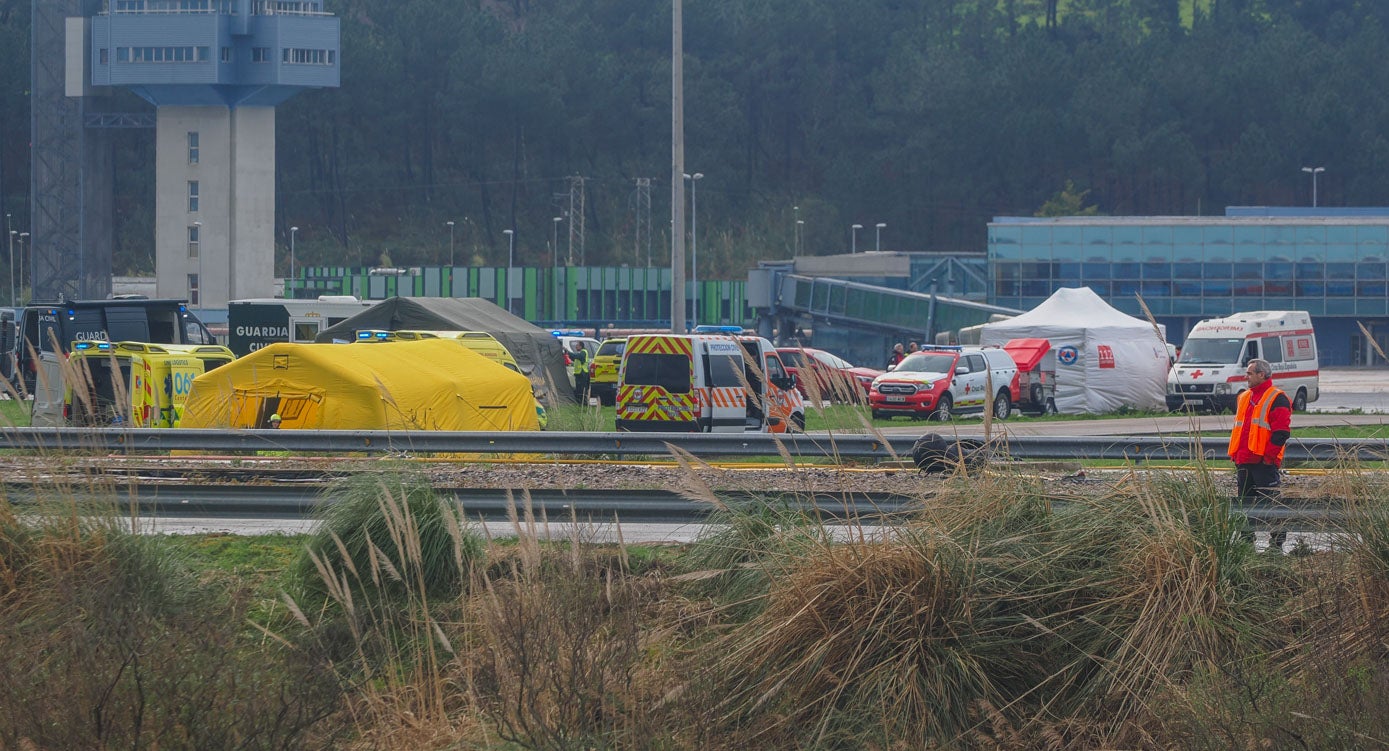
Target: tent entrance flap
(298, 410)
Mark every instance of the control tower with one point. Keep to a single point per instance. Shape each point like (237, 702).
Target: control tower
(215, 70)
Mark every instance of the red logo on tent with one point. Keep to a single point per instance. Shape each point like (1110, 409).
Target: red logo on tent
(1106, 355)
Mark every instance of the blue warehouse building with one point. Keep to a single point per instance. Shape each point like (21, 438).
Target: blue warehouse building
(1331, 263)
(215, 70)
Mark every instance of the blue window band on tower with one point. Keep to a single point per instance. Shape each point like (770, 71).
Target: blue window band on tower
(227, 52)
(1331, 263)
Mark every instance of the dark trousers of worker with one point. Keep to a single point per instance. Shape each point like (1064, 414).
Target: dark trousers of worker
(1258, 484)
(581, 388)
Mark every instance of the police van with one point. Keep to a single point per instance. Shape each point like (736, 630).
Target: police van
(1210, 373)
(714, 381)
(257, 322)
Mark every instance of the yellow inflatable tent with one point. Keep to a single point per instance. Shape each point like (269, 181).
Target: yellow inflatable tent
(431, 384)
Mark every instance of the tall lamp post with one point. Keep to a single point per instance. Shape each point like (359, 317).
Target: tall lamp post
(800, 230)
(12, 233)
(1314, 171)
(694, 245)
(450, 224)
(510, 259)
(290, 287)
(878, 236)
(22, 237)
(796, 231)
(853, 246)
(554, 262)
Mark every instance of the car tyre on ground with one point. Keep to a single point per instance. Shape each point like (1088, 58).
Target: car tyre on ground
(935, 453)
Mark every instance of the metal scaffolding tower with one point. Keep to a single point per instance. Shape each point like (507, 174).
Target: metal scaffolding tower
(73, 178)
(576, 219)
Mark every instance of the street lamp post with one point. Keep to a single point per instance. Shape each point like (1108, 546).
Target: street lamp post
(878, 236)
(554, 262)
(853, 247)
(694, 245)
(202, 283)
(796, 231)
(800, 230)
(11, 232)
(22, 237)
(450, 224)
(510, 259)
(290, 287)
(1314, 171)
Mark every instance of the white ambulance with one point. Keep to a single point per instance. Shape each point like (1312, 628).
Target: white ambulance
(706, 383)
(1210, 373)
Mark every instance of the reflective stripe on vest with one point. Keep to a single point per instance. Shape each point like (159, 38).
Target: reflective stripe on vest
(1260, 432)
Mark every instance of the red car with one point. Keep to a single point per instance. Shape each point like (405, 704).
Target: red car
(824, 375)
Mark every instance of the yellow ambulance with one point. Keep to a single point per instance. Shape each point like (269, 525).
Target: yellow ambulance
(480, 342)
(136, 383)
(716, 381)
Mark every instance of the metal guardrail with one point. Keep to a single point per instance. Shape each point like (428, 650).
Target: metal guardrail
(808, 445)
(559, 505)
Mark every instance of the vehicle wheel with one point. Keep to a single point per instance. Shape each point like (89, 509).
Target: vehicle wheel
(1050, 408)
(878, 415)
(943, 409)
(797, 422)
(1300, 401)
(1003, 406)
(1034, 394)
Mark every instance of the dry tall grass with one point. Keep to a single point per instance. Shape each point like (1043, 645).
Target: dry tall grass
(1011, 612)
(107, 640)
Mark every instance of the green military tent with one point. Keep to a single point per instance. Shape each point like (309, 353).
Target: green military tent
(537, 353)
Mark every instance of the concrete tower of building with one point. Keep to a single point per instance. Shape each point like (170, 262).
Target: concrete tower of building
(215, 70)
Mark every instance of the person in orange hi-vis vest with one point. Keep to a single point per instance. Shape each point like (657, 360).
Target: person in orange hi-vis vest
(1263, 424)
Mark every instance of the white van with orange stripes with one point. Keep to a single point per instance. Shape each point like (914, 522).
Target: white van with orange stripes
(713, 382)
(1211, 370)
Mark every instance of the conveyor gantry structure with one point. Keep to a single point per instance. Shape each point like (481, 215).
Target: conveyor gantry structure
(795, 300)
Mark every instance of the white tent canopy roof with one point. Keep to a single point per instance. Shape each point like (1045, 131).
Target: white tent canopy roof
(1072, 308)
(1105, 359)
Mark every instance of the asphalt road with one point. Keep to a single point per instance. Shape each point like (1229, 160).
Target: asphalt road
(1349, 396)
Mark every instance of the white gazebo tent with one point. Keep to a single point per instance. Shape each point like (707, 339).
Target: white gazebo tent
(1105, 359)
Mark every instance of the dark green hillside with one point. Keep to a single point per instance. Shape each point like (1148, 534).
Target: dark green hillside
(930, 117)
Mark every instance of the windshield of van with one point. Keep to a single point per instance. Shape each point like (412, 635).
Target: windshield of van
(1211, 350)
(670, 372)
(925, 364)
(794, 358)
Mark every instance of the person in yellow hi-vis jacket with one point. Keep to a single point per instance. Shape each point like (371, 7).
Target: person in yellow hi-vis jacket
(578, 362)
